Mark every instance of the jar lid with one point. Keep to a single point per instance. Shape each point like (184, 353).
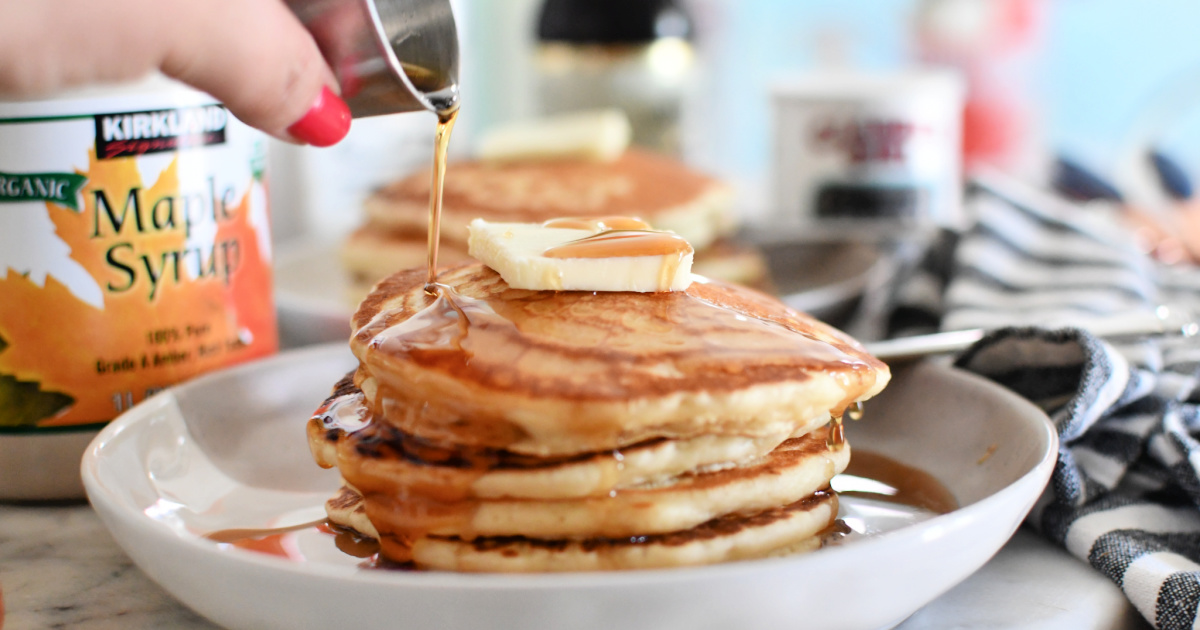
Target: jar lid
(150, 91)
(612, 21)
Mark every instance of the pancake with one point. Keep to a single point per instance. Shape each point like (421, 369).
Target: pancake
(407, 508)
(563, 373)
(500, 475)
(656, 188)
(346, 509)
(780, 530)
(493, 429)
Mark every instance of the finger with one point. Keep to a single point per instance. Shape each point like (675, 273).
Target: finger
(253, 55)
(256, 57)
(42, 52)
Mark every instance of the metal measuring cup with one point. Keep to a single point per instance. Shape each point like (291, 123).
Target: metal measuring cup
(389, 56)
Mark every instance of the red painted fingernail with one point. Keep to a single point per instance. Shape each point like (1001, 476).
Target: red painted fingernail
(347, 75)
(325, 123)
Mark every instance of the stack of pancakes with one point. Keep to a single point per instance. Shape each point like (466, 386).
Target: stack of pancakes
(655, 188)
(494, 429)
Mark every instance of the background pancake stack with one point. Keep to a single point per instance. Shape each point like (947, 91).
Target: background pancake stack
(655, 188)
(494, 429)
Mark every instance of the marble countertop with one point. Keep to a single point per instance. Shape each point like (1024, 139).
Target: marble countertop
(59, 568)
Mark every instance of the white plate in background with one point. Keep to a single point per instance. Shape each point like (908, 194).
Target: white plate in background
(228, 450)
(311, 296)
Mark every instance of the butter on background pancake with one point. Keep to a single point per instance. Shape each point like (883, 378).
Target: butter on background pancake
(577, 372)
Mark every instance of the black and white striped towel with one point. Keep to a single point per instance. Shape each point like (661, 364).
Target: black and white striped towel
(1125, 495)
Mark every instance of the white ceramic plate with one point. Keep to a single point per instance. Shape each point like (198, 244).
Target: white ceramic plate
(228, 451)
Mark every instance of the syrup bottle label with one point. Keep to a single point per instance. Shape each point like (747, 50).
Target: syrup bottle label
(134, 254)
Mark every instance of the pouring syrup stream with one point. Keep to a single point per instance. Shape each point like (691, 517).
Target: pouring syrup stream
(445, 126)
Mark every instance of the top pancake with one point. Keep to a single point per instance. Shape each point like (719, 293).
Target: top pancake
(554, 373)
(655, 188)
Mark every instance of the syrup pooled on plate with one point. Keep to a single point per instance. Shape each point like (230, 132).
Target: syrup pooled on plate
(281, 541)
(881, 478)
(893, 482)
(872, 475)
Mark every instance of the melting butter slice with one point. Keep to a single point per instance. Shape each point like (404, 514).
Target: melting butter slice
(586, 256)
(599, 135)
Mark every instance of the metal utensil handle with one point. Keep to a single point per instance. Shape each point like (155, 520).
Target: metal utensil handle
(1164, 321)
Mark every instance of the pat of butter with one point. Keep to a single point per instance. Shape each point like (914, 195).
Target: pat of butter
(600, 135)
(517, 251)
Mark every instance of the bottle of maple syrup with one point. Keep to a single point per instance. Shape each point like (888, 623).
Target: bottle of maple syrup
(134, 254)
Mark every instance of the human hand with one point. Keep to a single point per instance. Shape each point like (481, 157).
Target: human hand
(253, 55)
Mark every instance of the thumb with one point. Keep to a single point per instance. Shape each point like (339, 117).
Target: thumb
(257, 58)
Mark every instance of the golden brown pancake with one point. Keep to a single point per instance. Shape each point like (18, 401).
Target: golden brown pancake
(656, 188)
(404, 506)
(782, 530)
(562, 373)
(486, 474)
(493, 429)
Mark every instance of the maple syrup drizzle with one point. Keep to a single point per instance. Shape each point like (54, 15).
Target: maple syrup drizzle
(445, 126)
(351, 543)
(271, 541)
(905, 485)
(836, 440)
(837, 427)
(440, 327)
(452, 330)
(598, 223)
(233, 536)
(346, 413)
(618, 243)
(622, 243)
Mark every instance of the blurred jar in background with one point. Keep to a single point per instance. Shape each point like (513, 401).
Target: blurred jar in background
(995, 44)
(632, 54)
(856, 149)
